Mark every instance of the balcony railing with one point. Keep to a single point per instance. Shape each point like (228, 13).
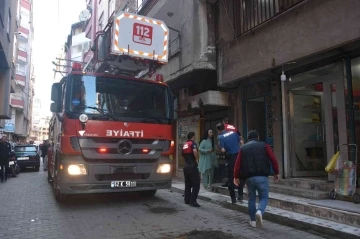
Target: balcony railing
(174, 46)
(22, 48)
(145, 6)
(249, 14)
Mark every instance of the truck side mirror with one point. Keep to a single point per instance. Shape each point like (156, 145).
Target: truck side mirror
(56, 90)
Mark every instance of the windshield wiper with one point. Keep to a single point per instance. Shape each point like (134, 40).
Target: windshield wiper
(101, 111)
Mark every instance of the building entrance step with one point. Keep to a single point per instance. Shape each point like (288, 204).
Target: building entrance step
(338, 212)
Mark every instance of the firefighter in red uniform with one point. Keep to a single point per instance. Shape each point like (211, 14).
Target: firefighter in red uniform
(229, 127)
(191, 171)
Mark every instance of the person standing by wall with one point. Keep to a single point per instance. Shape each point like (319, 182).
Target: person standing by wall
(253, 166)
(5, 150)
(229, 143)
(191, 171)
(207, 160)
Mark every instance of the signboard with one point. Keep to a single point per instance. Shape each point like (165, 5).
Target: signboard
(142, 34)
(10, 124)
(140, 37)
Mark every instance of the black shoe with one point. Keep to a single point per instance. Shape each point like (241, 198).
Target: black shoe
(194, 204)
(233, 200)
(240, 199)
(187, 202)
(225, 185)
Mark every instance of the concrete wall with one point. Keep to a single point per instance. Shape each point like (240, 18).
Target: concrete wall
(6, 53)
(324, 25)
(197, 37)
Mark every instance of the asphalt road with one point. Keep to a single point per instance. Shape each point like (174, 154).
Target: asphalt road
(29, 210)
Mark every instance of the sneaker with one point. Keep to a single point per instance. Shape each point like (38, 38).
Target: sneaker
(259, 221)
(253, 223)
(241, 199)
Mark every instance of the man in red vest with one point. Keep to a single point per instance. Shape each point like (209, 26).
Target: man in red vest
(229, 127)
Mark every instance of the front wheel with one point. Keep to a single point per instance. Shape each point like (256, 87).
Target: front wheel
(49, 177)
(37, 168)
(148, 193)
(356, 198)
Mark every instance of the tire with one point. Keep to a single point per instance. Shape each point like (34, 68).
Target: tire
(37, 168)
(332, 194)
(13, 172)
(60, 197)
(148, 193)
(356, 198)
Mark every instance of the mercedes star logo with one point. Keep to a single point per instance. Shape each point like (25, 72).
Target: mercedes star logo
(125, 147)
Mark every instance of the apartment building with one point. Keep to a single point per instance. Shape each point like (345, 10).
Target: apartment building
(35, 120)
(8, 35)
(21, 97)
(294, 67)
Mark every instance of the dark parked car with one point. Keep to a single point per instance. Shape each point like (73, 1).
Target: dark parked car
(27, 156)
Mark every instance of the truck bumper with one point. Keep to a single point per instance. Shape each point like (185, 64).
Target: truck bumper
(99, 177)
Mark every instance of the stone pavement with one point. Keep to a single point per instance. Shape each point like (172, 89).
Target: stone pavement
(29, 210)
(299, 221)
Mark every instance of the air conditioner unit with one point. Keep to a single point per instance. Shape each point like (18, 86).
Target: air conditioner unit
(184, 93)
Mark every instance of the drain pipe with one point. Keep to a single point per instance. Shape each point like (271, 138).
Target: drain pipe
(285, 130)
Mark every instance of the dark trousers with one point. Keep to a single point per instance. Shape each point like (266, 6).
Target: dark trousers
(4, 169)
(192, 183)
(230, 168)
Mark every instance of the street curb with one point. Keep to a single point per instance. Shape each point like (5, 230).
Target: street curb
(319, 230)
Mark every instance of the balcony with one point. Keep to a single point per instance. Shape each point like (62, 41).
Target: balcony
(17, 101)
(24, 32)
(20, 78)
(22, 54)
(146, 6)
(174, 47)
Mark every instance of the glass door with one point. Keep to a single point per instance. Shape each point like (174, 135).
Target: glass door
(308, 133)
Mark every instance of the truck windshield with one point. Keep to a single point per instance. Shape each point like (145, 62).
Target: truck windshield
(120, 98)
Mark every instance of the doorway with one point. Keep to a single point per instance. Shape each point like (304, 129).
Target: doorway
(316, 105)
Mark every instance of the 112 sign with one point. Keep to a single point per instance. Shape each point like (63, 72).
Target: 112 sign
(142, 34)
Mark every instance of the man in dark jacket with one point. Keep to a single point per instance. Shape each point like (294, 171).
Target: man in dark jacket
(44, 152)
(5, 150)
(253, 165)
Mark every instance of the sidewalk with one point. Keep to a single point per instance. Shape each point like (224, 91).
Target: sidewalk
(277, 215)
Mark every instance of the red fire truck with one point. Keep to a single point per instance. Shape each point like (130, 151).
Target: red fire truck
(111, 131)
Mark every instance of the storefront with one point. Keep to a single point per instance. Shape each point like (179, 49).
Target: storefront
(323, 112)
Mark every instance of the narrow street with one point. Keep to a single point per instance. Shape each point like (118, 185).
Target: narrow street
(29, 210)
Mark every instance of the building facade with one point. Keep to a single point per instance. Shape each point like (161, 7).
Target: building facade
(21, 98)
(35, 120)
(294, 67)
(8, 35)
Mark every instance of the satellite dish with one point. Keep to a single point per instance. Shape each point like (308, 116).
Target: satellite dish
(84, 15)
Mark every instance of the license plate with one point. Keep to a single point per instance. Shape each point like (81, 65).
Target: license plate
(23, 158)
(123, 184)
(11, 163)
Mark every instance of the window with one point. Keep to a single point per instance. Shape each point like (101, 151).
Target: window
(248, 14)
(118, 97)
(25, 149)
(111, 7)
(8, 28)
(101, 19)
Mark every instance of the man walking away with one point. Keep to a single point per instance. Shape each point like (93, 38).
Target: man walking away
(253, 166)
(191, 171)
(5, 150)
(229, 144)
(228, 127)
(44, 152)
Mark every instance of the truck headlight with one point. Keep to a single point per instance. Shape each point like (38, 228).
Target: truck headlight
(164, 168)
(77, 169)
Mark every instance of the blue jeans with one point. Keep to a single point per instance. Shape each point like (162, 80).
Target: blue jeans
(261, 185)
